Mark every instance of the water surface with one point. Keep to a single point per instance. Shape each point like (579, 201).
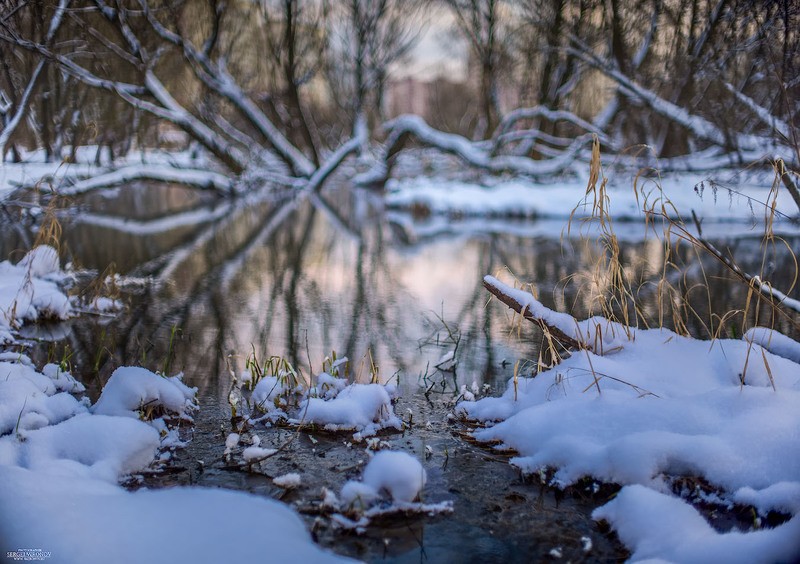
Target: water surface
(300, 278)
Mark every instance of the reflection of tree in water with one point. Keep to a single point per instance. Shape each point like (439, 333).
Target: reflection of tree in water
(294, 278)
(300, 277)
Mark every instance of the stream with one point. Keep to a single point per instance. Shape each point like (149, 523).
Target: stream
(208, 282)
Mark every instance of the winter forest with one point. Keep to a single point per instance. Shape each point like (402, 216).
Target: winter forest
(399, 280)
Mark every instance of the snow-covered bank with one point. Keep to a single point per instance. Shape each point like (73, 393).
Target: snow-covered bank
(61, 459)
(77, 520)
(641, 407)
(741, 201)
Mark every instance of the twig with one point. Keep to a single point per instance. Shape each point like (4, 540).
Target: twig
(755, 281)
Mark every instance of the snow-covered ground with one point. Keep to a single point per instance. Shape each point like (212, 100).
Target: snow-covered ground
(636, 408)
(639, 408)
(740, 199)
(61, 460)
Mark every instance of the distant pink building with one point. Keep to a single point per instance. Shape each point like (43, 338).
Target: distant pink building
(407, 96)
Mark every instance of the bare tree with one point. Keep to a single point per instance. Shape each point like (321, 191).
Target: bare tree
(159, 61)
(21, 102)
(297, 44)
(369, 37)
(485, 25)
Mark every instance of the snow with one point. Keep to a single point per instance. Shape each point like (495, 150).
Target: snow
(391, 483)
(738, 201)
(332, 403)
(29, 291)
(288, 481)
(30, 400)
(655, 406)
(394, 473)
(103, 304)
(231, 442)
(157, 172)
(60, 463)
(79, 520)
(364, 408)
(473, 153)
(398, 473)
(659, 526)
(775, 342)
(256, 453)
(132, 389)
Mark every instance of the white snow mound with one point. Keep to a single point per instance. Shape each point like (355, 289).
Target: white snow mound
(655, 406)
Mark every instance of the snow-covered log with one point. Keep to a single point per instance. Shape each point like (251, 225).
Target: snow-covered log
(560, 325)
(408, 127)
(203, 179)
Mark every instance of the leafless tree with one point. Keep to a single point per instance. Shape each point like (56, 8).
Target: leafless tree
(485, 25)
(159, 61)
(369, 36)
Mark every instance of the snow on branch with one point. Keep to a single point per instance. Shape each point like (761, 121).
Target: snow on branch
(216, 77)
(780, 126)
(698, 126)
(326, 169)
(204, 179)
(551, 115)
(407, 127)
(560, 325)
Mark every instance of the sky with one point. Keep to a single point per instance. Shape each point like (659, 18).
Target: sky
(438, 52)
